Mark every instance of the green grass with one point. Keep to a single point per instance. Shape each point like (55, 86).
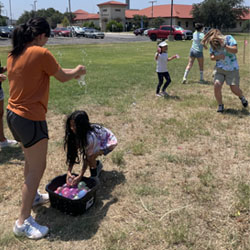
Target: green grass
(179, 177)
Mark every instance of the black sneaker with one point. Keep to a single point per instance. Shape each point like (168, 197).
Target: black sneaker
(220, 108)
(244, 101)
(95, 172)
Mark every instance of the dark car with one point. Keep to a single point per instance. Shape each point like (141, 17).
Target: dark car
(62, 32)
(139, 31)
(5, 32)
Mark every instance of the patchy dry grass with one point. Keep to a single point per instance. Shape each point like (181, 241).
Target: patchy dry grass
(179, 178)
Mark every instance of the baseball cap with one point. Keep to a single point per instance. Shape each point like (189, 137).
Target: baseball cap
(163, 44)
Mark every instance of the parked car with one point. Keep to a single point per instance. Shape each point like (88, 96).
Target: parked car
(93, 33)
(164, 31)
(146, 31)
(139, 31)
(62, 32)
(76, 31)
(188, 34)
(5, 32)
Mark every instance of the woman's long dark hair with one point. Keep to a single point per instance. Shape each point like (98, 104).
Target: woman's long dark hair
(75, 143)
(26, 33)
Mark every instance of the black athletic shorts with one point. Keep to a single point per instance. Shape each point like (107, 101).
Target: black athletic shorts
(26, 131)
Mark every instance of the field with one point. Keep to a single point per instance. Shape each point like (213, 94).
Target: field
(179, 178)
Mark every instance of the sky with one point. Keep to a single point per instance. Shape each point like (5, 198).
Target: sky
(19, 6)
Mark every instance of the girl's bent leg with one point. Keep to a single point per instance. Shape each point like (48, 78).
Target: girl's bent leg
(236, 90)
(35, 164)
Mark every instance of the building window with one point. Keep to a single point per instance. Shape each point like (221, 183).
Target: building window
(240, 24)
(118, 10)
(104, 10)
(186, 24)
(179, 23)
(193, 24)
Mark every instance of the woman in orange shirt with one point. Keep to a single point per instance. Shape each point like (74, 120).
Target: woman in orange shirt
(30, 67)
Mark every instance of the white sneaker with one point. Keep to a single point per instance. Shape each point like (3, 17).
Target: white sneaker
(184, 81)
(40, 199)
(30, 229)
(7, 143)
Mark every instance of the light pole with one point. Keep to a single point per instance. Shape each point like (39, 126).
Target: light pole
(35, 5)
(10, 12)
(70, 15)
(152, 12)
(170, 37)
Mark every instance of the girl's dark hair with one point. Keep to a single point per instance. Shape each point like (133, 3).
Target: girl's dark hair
(75, 143)
(27, 32)
(199, 26)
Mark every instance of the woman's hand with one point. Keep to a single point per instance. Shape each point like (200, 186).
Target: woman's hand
(80, 70)
(2, 77)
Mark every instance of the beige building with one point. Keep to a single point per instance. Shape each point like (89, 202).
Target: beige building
(111, 10)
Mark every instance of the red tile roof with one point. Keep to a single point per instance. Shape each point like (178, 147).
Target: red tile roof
(179, 10)
(112, 3)
(80, 12)
(130, 13)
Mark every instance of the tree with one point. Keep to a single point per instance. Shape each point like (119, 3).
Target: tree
(246, 26)
(65, 22)
(218, 13)
(52, 16)
(138, 20)
(157, 22)
(114, 26)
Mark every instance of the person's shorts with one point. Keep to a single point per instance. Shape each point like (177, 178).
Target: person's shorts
(231, 77)
(195, 53)
(1, 94)
(26, 131)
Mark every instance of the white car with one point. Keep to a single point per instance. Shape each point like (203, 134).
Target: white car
(93, 33)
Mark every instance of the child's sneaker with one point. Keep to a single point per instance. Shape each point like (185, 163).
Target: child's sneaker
(184, 81)
(158, 95)
(40, 199)
(164, 93)
(244, 101)
(30, 229)
(220, 108)
(7, 143)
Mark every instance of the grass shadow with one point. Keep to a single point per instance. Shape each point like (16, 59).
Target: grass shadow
(65, 227)
(201, 83)
(10, 153)
(235, 112)
(174, 97)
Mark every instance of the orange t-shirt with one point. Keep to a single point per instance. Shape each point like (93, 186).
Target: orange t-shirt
(29, 77)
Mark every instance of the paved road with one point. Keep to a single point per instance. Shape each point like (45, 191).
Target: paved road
(109, 38)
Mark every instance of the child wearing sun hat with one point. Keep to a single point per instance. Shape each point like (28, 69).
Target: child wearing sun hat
(161, 57)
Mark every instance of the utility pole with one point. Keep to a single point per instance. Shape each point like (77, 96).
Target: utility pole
(10, 12)
(171, 37)
(70, 14)
(1, 8)
(152, 2)
(35, 5)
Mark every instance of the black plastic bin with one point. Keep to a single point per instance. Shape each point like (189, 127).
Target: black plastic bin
(68, 206)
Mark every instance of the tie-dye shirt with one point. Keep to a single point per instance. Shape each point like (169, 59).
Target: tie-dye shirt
(100, 139)
(230, 62)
